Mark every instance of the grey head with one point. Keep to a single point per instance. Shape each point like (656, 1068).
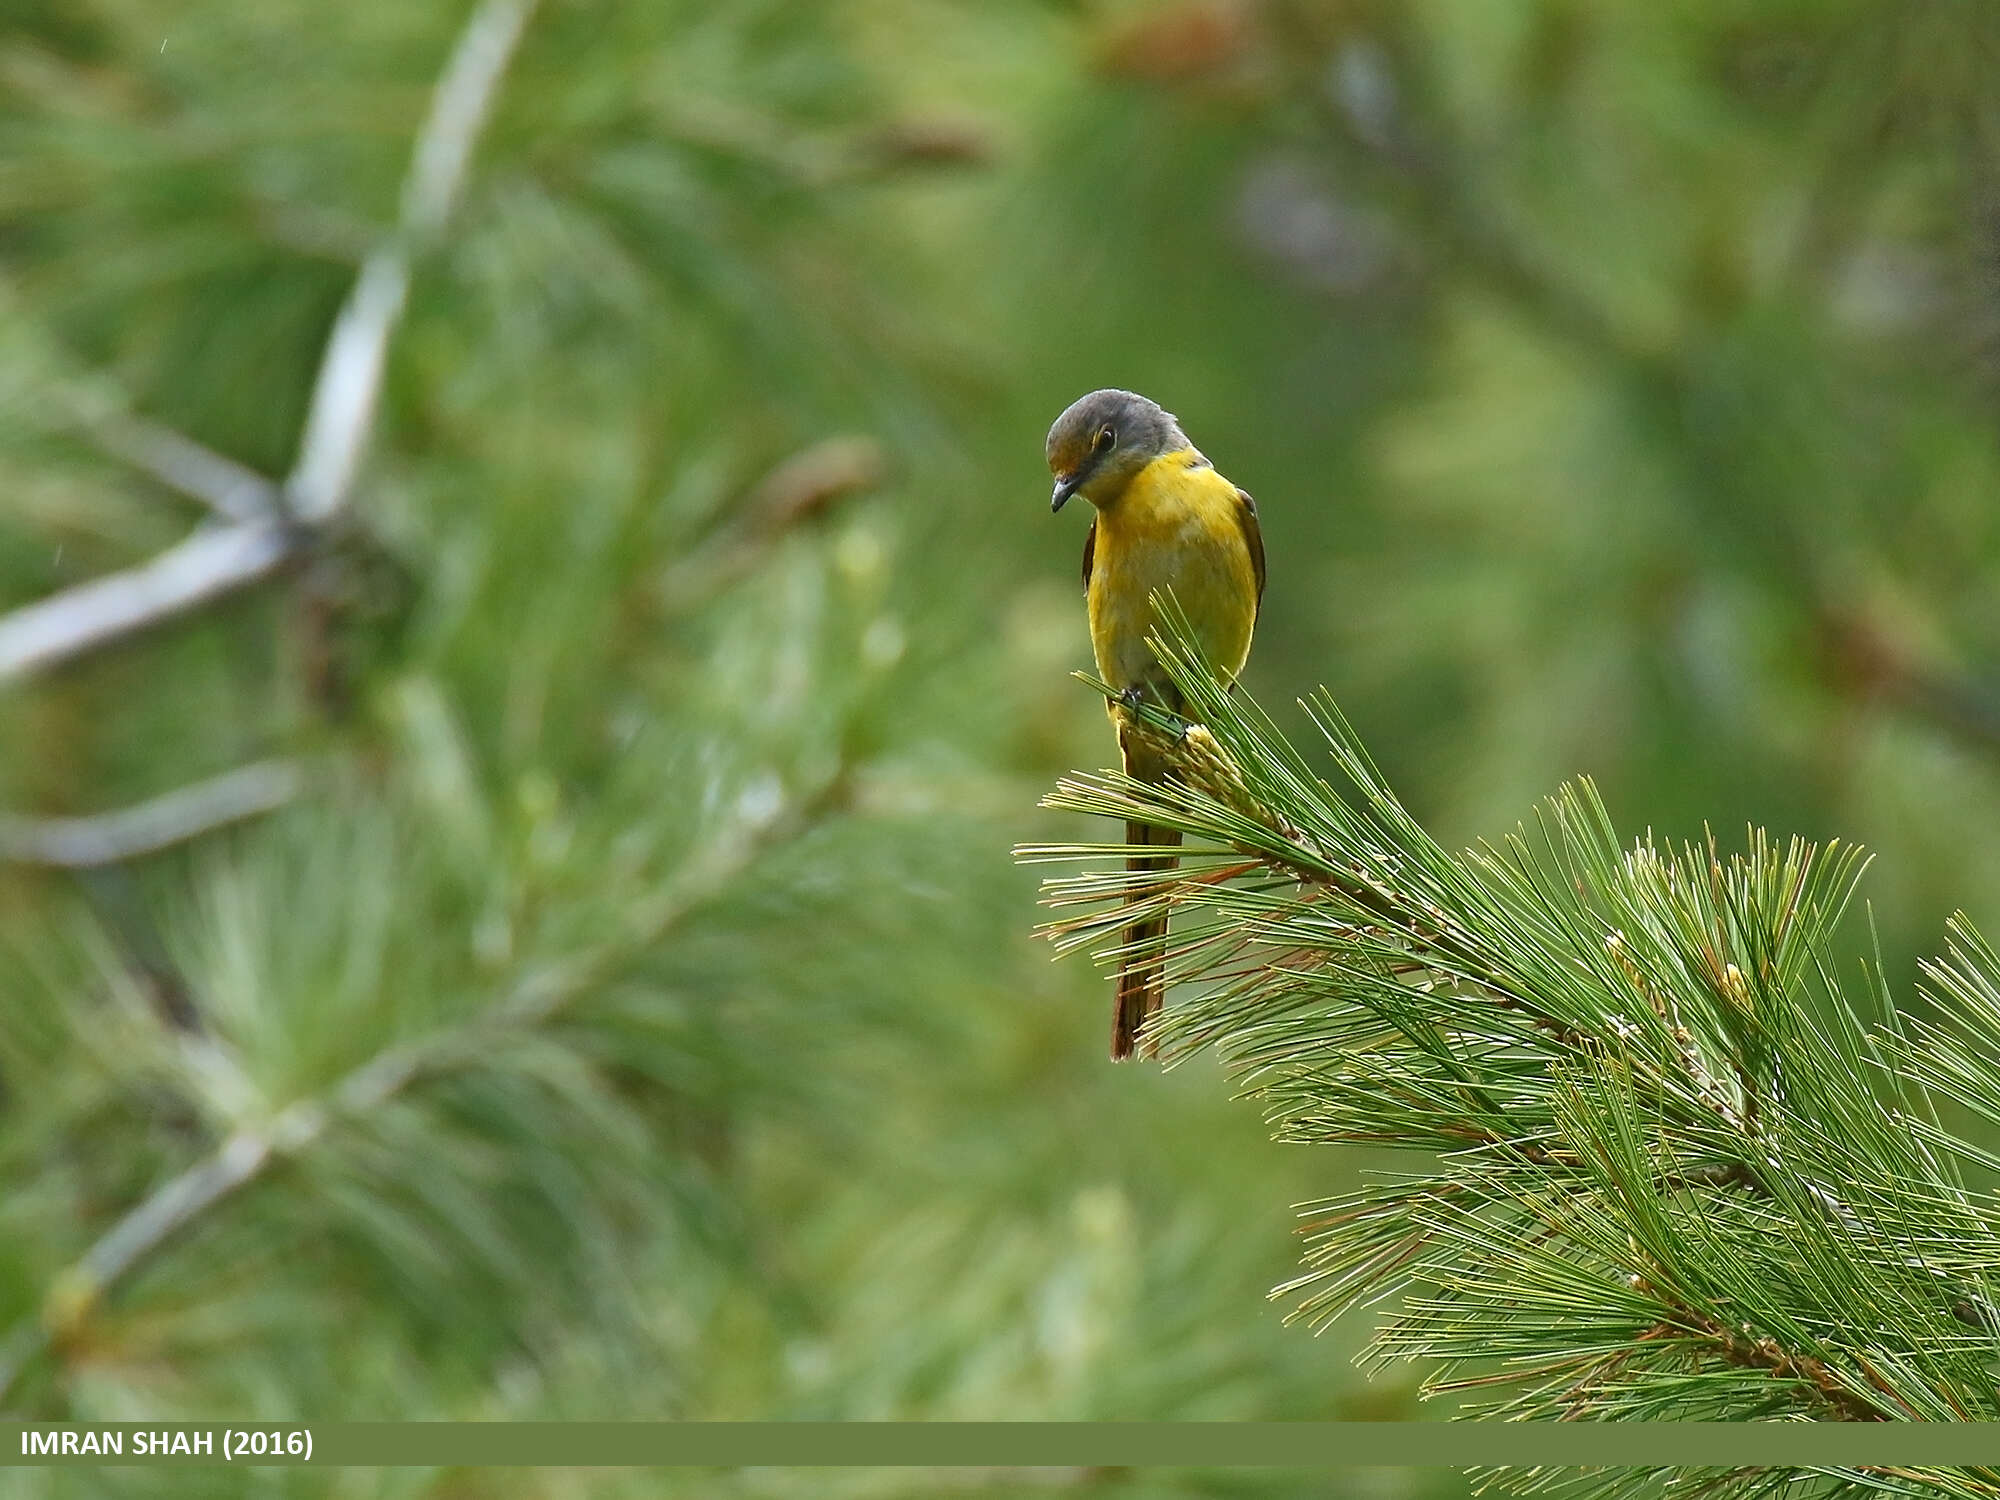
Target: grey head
(1103, 439)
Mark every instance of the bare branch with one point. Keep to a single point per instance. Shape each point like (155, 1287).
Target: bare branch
(209, 563)
(458, 113)
(342, 415)
(231, 489)
(339, 421)
(90, 403)
(147, 827)
(344, 398)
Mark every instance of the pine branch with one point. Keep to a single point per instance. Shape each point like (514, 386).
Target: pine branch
(1676, 1173)
(341, 414)
(148, 827)
(534, 1001)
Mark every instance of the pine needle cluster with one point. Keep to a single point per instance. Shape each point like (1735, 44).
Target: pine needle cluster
(1665, 1162)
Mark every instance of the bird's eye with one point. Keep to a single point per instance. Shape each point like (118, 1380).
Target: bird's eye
(1107, 435)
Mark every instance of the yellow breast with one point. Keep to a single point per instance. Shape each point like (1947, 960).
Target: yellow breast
(1178, 525)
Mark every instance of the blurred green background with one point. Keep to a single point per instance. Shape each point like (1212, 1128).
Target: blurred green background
(1618, 383)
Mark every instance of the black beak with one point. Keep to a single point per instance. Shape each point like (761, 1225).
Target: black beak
(1065, 487)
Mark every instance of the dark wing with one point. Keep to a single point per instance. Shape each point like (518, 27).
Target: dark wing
(1090, 555)
(1253, 538)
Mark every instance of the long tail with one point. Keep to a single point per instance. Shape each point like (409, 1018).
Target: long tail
(1141, 987)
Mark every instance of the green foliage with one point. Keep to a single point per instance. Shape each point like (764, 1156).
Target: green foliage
(1672, 1170)
(632, 1016)
(633, 1011)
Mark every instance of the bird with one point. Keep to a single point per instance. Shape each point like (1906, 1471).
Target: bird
(1165, 520)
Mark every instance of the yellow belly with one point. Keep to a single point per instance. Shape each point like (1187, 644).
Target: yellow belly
(1176, 527)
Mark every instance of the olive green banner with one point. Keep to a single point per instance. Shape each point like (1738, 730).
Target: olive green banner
(1093, 1444)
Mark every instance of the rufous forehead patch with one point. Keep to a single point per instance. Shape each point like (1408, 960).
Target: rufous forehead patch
(1066, 456)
